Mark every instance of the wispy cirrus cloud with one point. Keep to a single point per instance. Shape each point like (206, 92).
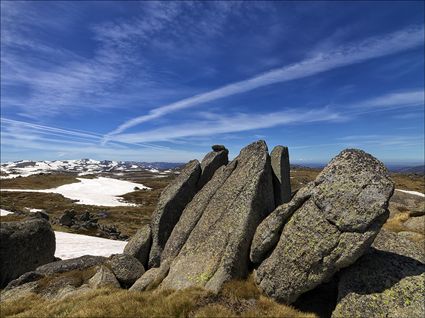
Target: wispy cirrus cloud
(350, 54)
(216, 124)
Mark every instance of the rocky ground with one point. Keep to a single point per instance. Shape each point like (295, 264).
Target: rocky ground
(317, 253)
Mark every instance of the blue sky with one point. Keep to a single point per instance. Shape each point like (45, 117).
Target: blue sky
(163, 81)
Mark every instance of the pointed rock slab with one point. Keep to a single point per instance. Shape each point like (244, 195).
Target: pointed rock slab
(217, 249)
(332, 229)
(281, 174)
(211, 162)
(172, 201)
(193, 212)
(140, 244)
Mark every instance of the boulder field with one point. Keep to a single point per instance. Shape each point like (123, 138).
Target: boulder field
(221, 220)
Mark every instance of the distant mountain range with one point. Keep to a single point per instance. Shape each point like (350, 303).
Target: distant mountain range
(81, 166)
(89, 166)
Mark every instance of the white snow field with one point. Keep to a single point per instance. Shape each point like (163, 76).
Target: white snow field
(70, 245)
(412, 192)
(4, 212)
(99, 191)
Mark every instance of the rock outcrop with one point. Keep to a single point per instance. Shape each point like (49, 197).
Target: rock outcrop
(171, 203)
(23, 247)
(140, 244)
(332, 229)
(217, 248)
(178, 194)
(126, 268)
(281, 174)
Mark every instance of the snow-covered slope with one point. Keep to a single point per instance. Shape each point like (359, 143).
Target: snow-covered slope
(99, 191)
(83, 166)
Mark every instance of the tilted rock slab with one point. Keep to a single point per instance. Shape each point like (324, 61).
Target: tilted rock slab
(268, 232)
(193, 212)
(217, 249)
(382, 284)
(171, 203)
(140, 244)
(332, 229)
(23, 247)
(281, 174)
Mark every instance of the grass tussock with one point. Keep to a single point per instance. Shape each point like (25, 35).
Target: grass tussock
(237, 299)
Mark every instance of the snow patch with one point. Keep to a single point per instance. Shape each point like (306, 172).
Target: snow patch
(412, 192)
(100, 191)
(69, 245)
(4, 212)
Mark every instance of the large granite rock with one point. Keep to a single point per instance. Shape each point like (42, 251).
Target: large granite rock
(140, 244)
(332, 229)
(268, 232)
(217, 248)
(211, 162)
(382, 284)
(281, 174)
(126, 268)
(23, 247)
(172, 201)
(193, 212)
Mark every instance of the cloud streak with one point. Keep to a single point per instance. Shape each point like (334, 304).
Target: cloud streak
(347, 55)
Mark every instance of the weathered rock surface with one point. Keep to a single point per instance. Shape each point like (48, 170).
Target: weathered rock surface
(211, 162)
(416, 224)
(391, 242)
(103, 278)
(193, 212)
(382, 284)
(23, 247)
(332, 229)
(140, 244)
(217, 248)
(268, 232)
(126, 268)
(281, 174)
(171, 203)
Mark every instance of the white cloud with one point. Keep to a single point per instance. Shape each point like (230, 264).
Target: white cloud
(347, 55)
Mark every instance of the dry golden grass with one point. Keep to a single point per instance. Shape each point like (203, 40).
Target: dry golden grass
(410, 182)
(238, 299)
(395, 223)
(40, 181)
